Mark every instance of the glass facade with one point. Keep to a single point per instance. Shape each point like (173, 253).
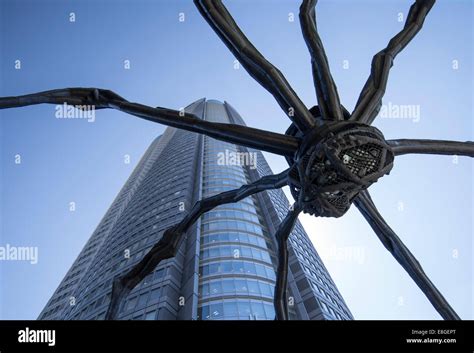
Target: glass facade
(236, 273)
(225, 269)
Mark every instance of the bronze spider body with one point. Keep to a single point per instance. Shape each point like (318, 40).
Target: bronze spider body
(333, 155)
(334, 163)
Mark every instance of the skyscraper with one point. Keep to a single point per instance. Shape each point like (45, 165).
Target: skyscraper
(225, 268)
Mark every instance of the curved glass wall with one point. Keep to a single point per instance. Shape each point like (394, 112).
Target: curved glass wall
(236, 274)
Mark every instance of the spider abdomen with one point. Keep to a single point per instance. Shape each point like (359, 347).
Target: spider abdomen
(332, 167)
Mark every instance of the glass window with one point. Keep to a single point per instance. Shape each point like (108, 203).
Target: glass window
(244, 309)
(155, 294)
(266, 289)
(270, 273)
(204, 312)
(258, 310)
(131, 303)
(217, 310)
(241, 285)
(230, 310)
(269, 311)
(253, 287)
(215, 288)
(260, 270)
(227, 266)
(249, 267)
(238, 267)
(213, 268)
(265, 257)
(213, 252)
(228, 286)
(247, 252)
(226, 251)
(159, 274)
(224, 236)
(234, 237)
(142, 300)
(150, 316)
(253, 240)
(205, 289)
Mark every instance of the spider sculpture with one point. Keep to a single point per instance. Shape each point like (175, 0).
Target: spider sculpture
(333, 155)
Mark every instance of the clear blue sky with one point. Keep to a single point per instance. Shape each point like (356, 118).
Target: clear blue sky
(174, 63)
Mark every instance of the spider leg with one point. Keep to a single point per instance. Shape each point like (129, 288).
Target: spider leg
(407, 146)
(326, 91)
(215, 13)
(404, 257)
(84, 98)
(282, 234)
(169, 243)
(370, 99)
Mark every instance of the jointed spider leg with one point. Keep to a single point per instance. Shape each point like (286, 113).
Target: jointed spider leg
(282, 234)
(326, 91)
(401, 253)
(407, 146)
(84, 98)
(220, 20)
(168, 245)
(370, 99)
